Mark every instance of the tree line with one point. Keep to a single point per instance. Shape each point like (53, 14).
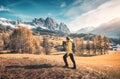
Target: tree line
(22, 40)
(98, 45)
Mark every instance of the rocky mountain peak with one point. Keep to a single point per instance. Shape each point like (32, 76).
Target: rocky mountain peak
(41, 19)
(50, 22)
(44, 24)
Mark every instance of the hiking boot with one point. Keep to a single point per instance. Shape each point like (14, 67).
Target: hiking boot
(65, 66)
(73, 68)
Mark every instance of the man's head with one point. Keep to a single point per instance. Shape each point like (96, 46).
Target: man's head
(67, 38)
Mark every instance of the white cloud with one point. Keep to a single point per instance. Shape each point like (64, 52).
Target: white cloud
(102, 14)
(2, 8)
(81, 6)
(63, 5)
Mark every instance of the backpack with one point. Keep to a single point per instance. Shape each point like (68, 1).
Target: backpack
(73, 47)
(64, 44)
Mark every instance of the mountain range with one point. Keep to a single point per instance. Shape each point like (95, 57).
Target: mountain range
(38, 24)
(110, 29)
(85, 30)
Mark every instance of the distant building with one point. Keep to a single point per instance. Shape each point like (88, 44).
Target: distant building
(114, 47)
(118, 46)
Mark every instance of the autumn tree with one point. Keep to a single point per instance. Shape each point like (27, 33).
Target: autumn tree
(106, 44)
(79, 45)
(4, 38)
(100, 44)
(95, 45)
(46, 45)
(1, 45)
(1, 42)
(23, 41)
(88, 47)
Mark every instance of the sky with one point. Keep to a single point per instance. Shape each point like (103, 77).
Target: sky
(76, 14)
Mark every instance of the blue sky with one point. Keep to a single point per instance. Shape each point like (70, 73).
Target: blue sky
(29, 9)
(75, 13)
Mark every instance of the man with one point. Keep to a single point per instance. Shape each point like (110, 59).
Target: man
(69, 52)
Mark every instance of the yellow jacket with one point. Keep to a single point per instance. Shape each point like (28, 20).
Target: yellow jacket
(69, 47)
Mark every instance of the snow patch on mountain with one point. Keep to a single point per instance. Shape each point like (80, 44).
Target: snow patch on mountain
(45, 24)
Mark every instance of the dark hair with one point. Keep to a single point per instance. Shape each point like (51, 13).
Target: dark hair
(67, 38)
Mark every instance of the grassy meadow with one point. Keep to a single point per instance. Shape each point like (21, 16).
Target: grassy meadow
(19, 66)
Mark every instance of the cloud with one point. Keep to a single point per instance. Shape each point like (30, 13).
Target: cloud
(2, 8)
(82, 6)
(104, 13)
(63, 4)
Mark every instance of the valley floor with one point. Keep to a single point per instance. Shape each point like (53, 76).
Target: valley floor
(29, 66)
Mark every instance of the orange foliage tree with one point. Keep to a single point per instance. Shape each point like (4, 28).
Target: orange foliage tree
(23, 41)
(46, 45)
(79, 45)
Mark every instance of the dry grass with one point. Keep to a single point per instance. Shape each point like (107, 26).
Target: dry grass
(4, 51)
(95, 67)
(107, 64)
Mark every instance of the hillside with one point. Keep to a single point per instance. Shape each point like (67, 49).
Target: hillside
(20, 66)
(85, 30)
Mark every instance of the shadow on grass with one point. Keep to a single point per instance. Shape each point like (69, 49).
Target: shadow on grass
(57, 54)
(31, 66)
(86, 55)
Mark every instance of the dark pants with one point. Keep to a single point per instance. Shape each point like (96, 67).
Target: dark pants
(72, 59)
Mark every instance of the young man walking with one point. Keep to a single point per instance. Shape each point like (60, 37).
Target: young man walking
(69, 52)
